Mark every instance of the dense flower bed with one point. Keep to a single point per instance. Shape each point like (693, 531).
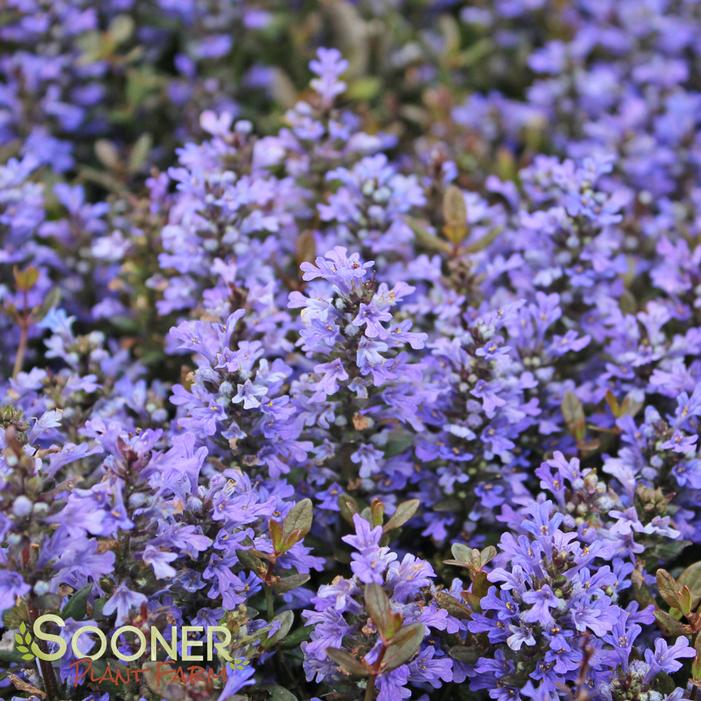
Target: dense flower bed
(365, 330)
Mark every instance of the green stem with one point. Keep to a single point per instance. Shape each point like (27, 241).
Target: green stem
(370, 690)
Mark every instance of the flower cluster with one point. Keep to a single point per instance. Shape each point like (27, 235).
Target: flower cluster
(385, 613)
(307, 307)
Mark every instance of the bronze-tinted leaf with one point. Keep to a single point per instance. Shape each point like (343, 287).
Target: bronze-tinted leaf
(276, 536)
(305, 247)
(22, 685)
(685, 600)
(452, 605)
(250, 560)
(668, 588)
(670, 625)
(573, 413)
(379, 607)
(696, 664)
(348, 663)
(107, 152)
(377, 512)
(348, 507)
(403, 647)
(454, 215)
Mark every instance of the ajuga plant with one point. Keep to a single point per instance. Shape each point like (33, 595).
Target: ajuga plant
(356, 345)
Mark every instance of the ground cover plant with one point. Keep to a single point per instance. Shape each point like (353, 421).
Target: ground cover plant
(365, 333)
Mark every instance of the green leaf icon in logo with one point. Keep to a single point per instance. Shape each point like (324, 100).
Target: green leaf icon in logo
(23, 641)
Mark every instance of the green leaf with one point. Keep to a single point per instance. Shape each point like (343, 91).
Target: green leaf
(107, 153)
(696, 668)
(664, 550)
(250, 560)
(348, 663)
(480, 584)
(121, 28)
(139, 153)
(685, 600)
(471, 558)
(76, 606)
(696, 664)
(488, 554)
(379, 607)
(124, 324)
(296, 637)
(289, 583)
(97, 607)
(279, 693)
(25, 279)
(286, 619)
(691, 577)
(450, 504)
(461, 552)
(630, 405)
(485, 241)
(398, 442)
(365, 88)
(464, 654)
(403, 647)
(628, 303)
(299, 518)
(404, 512)
(427, 239)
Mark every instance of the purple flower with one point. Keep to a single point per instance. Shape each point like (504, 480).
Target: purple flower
(371, 562)
(541, 600)
(328, 66)
(123, 601)
(159, 560)
(12, 586)
(665, 658)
